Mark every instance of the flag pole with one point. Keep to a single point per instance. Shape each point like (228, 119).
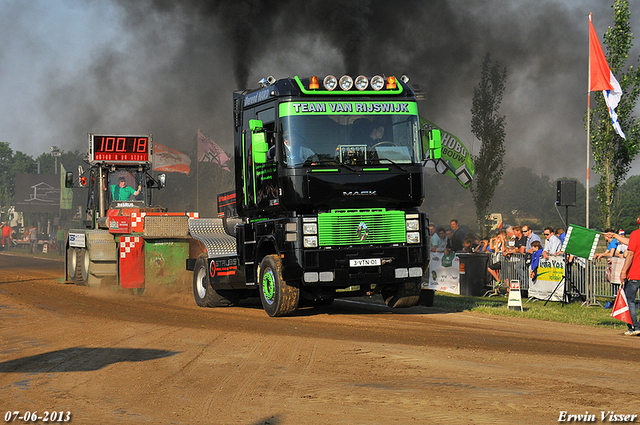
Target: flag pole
(587, 268)
(588, 131)
(197, 173)
(590, 298)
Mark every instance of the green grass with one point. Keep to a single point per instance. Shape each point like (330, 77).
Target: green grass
(573, 312)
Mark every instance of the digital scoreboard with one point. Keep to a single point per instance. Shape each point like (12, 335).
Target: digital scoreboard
(120, 149)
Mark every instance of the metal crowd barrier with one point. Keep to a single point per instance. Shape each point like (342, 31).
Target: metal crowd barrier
(515, 265)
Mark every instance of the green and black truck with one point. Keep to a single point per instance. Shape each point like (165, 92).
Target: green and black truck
(329, 179)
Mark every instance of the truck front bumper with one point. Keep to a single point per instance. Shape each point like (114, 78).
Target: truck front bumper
(364, 265)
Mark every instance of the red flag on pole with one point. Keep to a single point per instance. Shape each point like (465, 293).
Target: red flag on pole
(620, 308)
(600, 72)
(209, 151)
(170, 160)
(601, 78)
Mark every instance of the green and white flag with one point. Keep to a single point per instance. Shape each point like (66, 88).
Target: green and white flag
(581, 242)
(456, 161)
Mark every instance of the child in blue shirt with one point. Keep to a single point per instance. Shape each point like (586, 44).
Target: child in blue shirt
(535, 259)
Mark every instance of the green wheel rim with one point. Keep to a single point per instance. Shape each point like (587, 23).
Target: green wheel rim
(268, 280)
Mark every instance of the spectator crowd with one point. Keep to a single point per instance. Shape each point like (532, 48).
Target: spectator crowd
(503, 243)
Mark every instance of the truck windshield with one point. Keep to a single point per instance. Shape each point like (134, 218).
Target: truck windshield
(350, 139)
(126, 185)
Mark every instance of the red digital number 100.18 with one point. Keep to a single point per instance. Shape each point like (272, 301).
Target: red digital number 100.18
(119, 144)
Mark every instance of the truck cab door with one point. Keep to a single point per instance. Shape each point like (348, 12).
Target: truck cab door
(259, 163)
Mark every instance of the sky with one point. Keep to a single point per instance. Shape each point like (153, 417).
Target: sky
(72, 67)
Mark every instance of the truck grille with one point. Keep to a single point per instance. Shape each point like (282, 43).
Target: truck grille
(361, 227)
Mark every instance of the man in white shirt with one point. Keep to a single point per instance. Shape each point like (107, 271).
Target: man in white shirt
(552, 244)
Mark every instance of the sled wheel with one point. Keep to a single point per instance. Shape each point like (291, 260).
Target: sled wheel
(278, 298)
(73, 266)
(83, 265)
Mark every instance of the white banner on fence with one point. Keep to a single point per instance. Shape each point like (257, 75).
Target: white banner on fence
(614, 267)
(444, 273)
(550, 274)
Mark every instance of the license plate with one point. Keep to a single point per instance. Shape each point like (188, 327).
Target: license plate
(364, 262)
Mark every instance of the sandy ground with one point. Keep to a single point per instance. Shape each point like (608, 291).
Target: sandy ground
(109, 357)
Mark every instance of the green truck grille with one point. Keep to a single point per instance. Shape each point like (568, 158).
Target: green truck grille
(361, 227)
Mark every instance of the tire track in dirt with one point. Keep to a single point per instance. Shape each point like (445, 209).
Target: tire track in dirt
(235, 364)
(264, 369)
(302, 383)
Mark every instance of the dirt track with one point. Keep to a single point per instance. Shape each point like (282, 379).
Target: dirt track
(115, 358)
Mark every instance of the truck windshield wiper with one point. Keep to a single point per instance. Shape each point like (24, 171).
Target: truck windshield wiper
(394, 163)
(333, 163)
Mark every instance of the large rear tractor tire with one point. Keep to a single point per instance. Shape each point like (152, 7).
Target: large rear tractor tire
(204, 294)
(404, 295)
(277, 297)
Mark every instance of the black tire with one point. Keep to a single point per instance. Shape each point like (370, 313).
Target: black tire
(403, 295)
(277, 297)
(204, 294)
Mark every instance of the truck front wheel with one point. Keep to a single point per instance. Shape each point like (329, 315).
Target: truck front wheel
(278, 298)
(204, 294)
(403, 295)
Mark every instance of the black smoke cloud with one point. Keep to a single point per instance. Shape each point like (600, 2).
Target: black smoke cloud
(182, 60)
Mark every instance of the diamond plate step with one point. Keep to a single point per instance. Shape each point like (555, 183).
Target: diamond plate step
(210, 231)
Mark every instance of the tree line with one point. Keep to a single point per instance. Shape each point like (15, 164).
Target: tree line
(612, 153)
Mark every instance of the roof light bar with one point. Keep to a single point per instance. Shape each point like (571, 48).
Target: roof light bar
(363, 85)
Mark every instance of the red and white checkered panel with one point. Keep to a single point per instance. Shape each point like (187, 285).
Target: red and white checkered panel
(193, 215)
(131, 264)
(137, 221)
(127, 244)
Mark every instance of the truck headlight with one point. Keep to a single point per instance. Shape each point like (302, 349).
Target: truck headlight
(310, 241)
(310, 228)
(413, 225)
(413, 237)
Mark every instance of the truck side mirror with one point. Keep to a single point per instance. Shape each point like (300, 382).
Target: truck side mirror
(162, 181)
(68, 179)
(259, 145)
(435, 144)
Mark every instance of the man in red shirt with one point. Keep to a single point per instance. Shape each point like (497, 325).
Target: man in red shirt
(7, 240)
(630, 276)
